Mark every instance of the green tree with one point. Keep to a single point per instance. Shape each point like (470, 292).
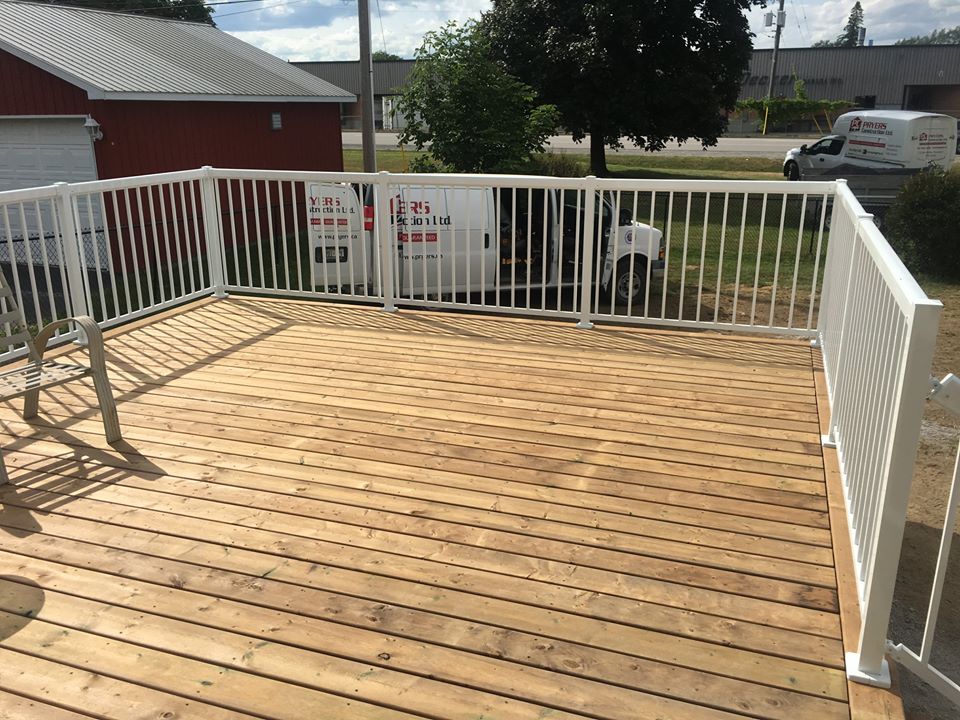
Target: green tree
(850, 36)
(472, 113)
(381, 55)
(946, 36)
(648, 71)
(192, 10)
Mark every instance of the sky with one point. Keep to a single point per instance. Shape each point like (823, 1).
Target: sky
(327, 29)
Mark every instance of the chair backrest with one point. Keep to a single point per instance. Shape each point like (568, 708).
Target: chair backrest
(13, 325)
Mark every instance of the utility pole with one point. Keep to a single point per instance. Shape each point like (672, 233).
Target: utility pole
(366, 90)
(781, 19)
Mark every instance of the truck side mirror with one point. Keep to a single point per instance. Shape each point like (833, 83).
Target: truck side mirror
(803, 149)
(626, 216)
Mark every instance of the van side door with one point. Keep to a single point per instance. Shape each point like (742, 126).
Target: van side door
(339, 253)
(469, 240)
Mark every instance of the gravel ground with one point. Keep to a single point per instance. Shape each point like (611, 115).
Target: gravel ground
(931, 485)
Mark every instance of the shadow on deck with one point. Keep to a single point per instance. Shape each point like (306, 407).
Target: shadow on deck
(322, 511)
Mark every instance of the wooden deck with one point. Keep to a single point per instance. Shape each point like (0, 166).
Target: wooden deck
(328, 512)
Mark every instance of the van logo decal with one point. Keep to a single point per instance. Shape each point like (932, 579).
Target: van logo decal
(855, 124)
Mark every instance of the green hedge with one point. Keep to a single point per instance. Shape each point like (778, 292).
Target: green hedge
(923, 225)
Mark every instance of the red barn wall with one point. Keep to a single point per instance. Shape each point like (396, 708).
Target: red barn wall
(28, 90)
(141, 137)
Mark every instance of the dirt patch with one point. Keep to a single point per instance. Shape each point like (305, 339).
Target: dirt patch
(925, 518)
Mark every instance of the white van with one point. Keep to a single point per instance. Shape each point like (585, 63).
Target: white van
(458, 240)
(876, 142)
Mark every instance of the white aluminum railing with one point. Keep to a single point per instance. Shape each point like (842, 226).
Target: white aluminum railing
(112, 249)
(877, 332)
(945, 393)
(736, 255)
(742, 256)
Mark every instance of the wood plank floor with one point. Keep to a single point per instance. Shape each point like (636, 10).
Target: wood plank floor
(332, 512)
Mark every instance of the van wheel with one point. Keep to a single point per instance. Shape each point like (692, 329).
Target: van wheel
(626, 286)
(793, 171)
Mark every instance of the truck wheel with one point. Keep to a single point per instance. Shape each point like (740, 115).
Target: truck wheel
(793, 171)
(628, 287)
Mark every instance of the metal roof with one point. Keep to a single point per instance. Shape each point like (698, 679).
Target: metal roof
(117, 56)
(389, 76)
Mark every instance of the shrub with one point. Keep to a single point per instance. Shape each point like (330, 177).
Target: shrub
(426, 163)
(923, 225)
(552, 164)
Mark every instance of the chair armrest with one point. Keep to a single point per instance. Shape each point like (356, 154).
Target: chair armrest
(89, 326)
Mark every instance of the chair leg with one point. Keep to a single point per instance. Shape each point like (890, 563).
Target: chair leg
(31, 402)
(108, 406)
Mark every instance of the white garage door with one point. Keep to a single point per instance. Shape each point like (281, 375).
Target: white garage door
(39, 152)
(45, 151)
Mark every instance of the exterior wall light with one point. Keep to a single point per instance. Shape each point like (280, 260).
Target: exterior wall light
(93, 127)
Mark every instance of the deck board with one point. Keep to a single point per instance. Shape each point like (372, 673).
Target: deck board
(423, 515)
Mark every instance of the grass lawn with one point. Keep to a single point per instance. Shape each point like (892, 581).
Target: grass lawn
(648, 166)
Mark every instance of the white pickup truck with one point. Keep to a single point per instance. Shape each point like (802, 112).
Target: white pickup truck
(458, 239)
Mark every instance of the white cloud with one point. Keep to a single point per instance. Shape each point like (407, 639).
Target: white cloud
(398, 28)
(886, 21)
(400, 24)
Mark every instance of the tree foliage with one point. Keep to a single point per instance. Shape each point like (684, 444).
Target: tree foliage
(381, 55)
(945, 36)
(850, 36)
(648, 71)
(472, 113)
(192, 10)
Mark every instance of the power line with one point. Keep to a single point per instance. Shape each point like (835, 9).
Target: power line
(383, 36)
(265, 7)
(796, 17)
(803, 10)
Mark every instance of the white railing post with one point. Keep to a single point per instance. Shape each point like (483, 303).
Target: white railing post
(588, 241)
(868, 665)
(70, 244)
(387, 259)
(211, 232)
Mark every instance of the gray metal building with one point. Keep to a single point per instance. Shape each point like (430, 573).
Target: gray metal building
(388, 77)
(902, 77)
(888, 77)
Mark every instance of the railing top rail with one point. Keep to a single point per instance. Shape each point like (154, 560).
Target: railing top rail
(96, 186)
(320, 176)
(535, 181)
(777, 187)
(428, 180)
(904, 288)
(45, 192)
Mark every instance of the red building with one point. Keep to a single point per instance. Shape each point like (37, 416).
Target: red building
(87, 95)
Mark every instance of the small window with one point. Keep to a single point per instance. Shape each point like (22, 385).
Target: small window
(834, 148)
(827, 146)
(276, 122)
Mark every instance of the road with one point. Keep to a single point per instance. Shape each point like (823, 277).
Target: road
(726, 147)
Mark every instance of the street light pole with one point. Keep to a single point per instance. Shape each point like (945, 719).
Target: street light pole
(366, 90)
